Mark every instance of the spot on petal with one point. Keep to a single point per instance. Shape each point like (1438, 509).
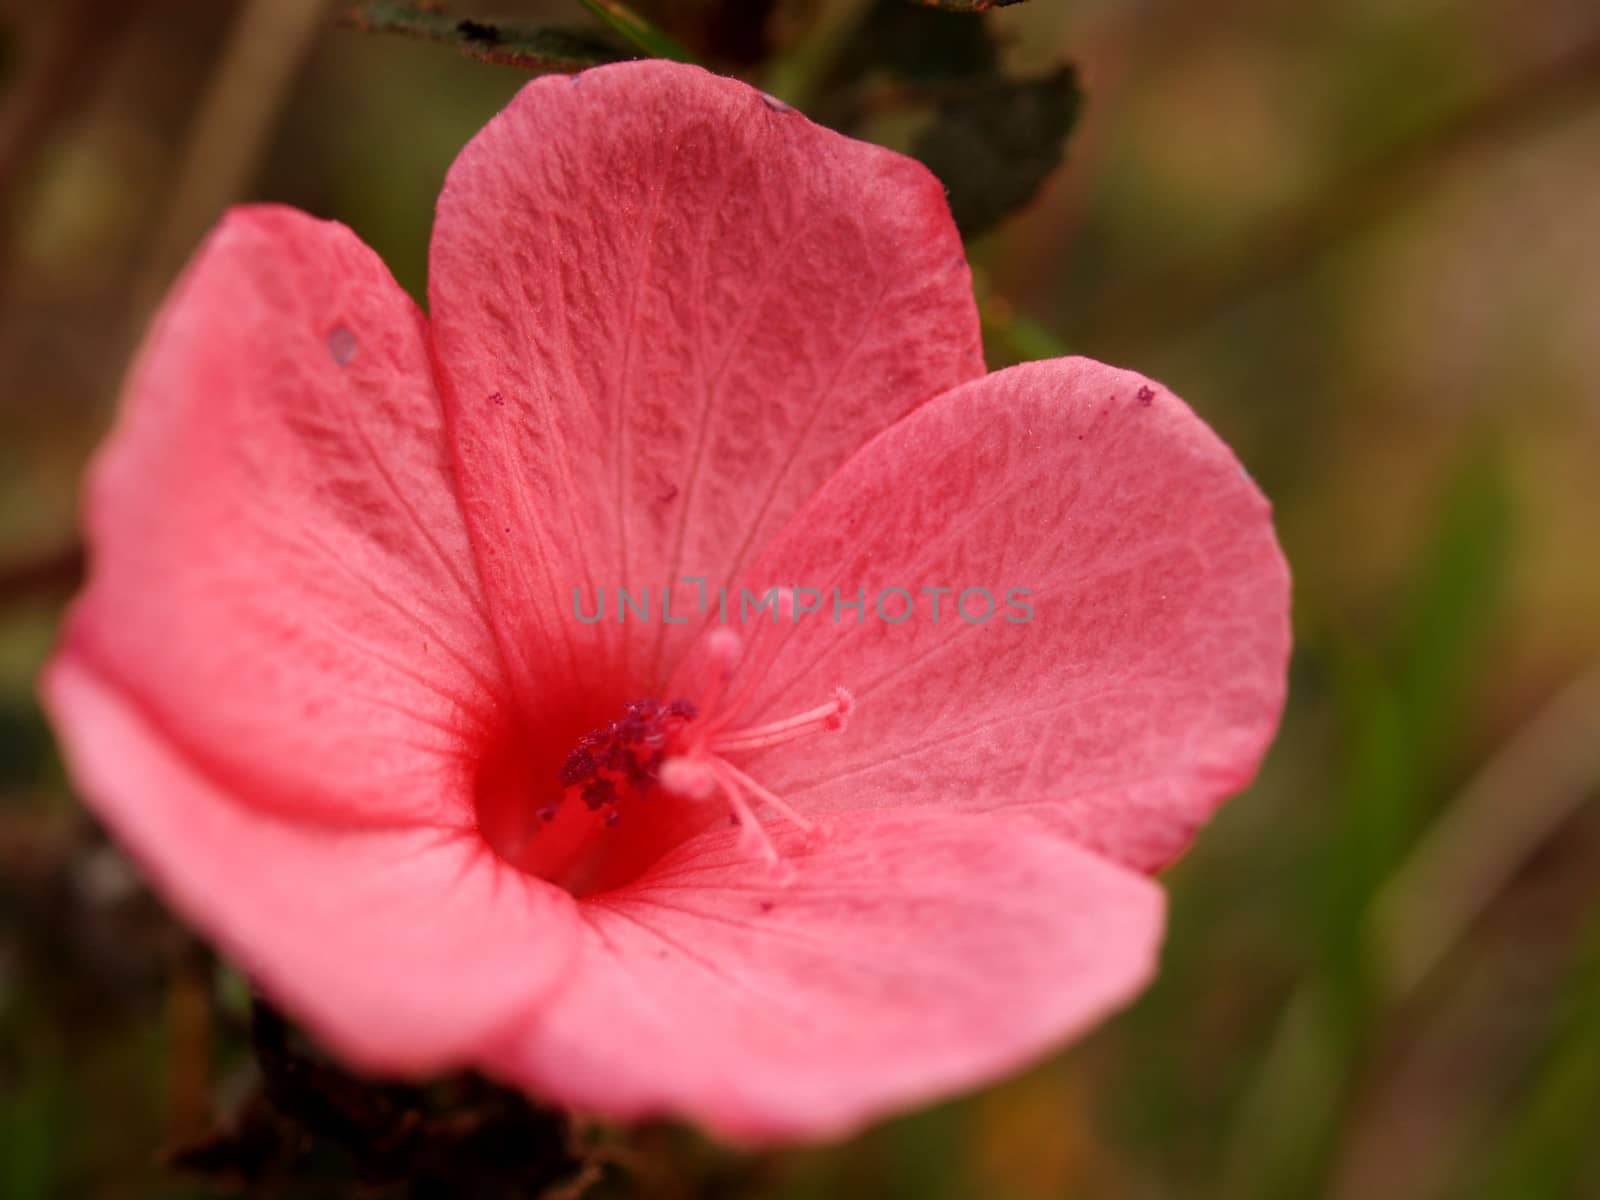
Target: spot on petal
(342, 345)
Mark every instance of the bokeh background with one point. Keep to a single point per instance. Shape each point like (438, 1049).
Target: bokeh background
(1361, 237)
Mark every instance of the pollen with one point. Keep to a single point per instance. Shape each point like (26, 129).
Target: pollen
(620, 761)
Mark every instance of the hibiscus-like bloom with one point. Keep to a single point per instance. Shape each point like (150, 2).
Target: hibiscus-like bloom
(336, 684)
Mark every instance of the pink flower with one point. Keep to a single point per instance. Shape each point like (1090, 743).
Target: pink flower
(329, 684)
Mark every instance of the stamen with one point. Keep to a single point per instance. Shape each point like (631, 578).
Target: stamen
(750, 831)
(701, 770)
(724, 647)
(826, 718)
(728, 773)
(691, 778)
(699, 778)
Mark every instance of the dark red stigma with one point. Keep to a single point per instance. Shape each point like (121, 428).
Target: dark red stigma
(622, 757)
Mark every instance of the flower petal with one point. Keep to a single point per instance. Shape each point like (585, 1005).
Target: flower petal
(1136, 685)
(402, 949)
(281, 580)
(665, 309)
(910, 955)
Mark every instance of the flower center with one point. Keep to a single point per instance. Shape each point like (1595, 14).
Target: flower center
(649, 771)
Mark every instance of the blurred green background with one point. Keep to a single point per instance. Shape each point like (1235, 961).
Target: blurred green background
(1361, 238)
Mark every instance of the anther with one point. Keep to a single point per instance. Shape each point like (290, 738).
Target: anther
(623, 758)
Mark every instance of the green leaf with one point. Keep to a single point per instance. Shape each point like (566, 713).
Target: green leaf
(931, 82)
(533, 48)
(993, 144)
(637, 30)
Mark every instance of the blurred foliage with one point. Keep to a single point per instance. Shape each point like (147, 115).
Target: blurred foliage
(1398, 712)
(1545, 1146)
(532, 48)
(1396, 704)
(995, 146)
(1358, 238)
(935, 85)
(915, 44)
(640, 33)
(309, 1120)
